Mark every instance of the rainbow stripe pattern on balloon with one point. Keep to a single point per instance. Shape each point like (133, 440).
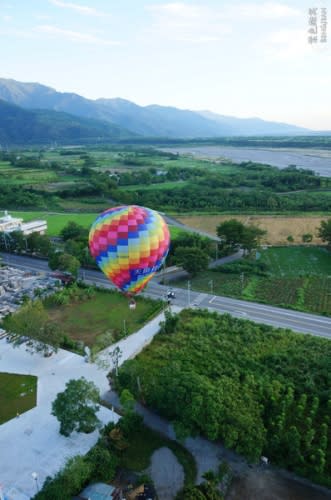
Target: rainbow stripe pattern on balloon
(129, 244)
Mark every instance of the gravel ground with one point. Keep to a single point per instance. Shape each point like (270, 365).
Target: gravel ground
(266, 484)
(167, 473)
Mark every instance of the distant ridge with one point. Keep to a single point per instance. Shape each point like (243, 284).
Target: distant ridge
(22, 126)
(148, 121)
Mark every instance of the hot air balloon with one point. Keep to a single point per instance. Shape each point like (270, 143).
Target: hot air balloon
(129, 244)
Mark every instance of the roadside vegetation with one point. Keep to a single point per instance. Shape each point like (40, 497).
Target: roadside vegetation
(260, 390)
(18, 394)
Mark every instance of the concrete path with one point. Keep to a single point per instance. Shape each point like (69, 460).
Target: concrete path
(135, 343)
(167, 474)
(31, 442)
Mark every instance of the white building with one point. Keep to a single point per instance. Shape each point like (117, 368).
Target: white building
(9, 224)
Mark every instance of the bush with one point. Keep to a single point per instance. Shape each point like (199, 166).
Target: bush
(103, 463)
(68, 482)
(244, 266)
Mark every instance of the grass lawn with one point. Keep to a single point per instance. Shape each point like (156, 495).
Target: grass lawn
(143, 444)
(156, 187)
(57, 221)
(18, 393)
(91, 320)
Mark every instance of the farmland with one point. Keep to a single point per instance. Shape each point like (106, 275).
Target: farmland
(297, 277)
(89, 179)
(18, 393)
(76, 184)
(278, 227)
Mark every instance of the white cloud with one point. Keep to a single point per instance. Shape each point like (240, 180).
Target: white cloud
(42, 17)
(288, 44)
(7, 18)
(179, 21)
(12, 32)
(81, 9)
(179, 9)
(198, 22)
(74, 36)
(267, 10)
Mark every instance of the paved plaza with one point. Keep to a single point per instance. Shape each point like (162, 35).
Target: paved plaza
(31, 442)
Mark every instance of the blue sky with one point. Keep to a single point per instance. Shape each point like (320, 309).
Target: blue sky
(241, 58)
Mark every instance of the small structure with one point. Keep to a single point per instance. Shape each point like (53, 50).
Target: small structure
(142, 492)
(100, 491)
(8, 224)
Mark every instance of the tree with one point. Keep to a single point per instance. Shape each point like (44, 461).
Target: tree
(73, 231)
(104, 463)
(231, 232)
(115, 357)
(307, 238)
(235, 234)
(31, 320)
(251, 238)
(127, 401)
(64, 262)
(76, 407)
(69, 263)
(39, 243)
(192, 259)
(324, 231)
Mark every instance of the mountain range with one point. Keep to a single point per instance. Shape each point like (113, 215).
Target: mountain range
(56, 115)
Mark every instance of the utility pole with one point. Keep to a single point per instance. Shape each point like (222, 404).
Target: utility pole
(242, 278)
(189, 293)
(211, 283)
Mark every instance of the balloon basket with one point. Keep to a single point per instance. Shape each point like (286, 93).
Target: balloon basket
(132, 305)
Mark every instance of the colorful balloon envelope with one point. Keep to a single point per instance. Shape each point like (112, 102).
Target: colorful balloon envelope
(129, 244)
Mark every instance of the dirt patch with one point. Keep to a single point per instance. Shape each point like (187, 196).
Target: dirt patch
(265, 484)
(278, 227)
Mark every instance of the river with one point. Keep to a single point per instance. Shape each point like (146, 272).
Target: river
(318, 160)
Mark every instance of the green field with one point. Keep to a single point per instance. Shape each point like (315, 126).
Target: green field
(18, 393)
(106, 312)
(57, 221)
(296, 277)
(156, 187)
(296, 261)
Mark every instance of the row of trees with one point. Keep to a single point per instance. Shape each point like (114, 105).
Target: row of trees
(189, 250)
(193, 197)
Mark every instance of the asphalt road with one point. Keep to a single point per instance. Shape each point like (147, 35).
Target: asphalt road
(300, 322)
